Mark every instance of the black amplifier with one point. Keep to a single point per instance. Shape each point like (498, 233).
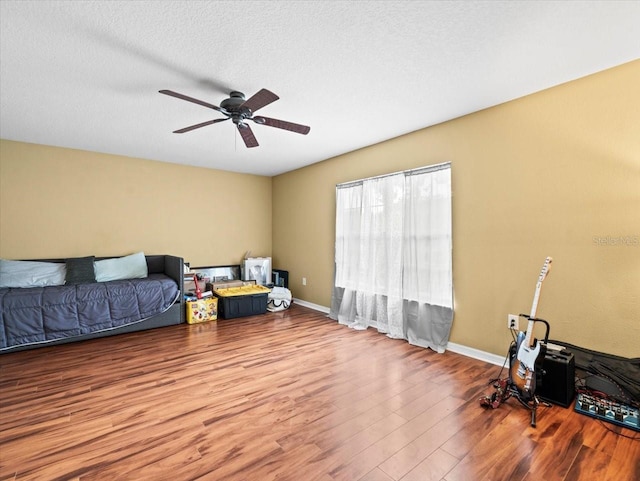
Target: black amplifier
(556, 383)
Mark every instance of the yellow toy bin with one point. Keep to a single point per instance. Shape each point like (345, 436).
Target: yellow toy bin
(202, 310)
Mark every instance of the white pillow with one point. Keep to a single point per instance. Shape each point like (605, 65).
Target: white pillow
(31, 273)
(127, 267)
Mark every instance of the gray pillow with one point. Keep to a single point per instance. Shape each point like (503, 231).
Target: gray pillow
(80, 270)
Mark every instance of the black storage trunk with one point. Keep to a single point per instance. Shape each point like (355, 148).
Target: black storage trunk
(557, 380)
(241, 306)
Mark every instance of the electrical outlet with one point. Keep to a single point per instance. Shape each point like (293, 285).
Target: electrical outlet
(304, 281)
(512, 321)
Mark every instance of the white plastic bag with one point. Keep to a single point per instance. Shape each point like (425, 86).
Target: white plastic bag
(279, 299)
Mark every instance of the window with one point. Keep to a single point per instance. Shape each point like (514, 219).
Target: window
(393, 246)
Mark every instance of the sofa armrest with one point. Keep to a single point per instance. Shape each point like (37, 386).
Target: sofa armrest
(174, 268)
(171, 266)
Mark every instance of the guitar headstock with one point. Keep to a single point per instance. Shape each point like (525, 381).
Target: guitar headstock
(545, 269)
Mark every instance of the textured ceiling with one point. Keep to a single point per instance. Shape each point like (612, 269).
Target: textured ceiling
(86, 74)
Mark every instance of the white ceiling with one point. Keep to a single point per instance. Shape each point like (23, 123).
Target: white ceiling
(86, 74)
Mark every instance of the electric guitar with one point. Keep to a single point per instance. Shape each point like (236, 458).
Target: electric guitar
(529, 352)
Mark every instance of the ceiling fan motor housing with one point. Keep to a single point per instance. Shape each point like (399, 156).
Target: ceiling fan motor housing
(233, 106)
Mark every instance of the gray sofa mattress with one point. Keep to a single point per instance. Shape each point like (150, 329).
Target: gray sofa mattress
(43, 314)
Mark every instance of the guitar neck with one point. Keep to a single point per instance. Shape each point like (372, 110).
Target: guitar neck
(536, 298)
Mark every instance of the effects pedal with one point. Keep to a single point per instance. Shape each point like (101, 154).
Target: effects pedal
(608, 410)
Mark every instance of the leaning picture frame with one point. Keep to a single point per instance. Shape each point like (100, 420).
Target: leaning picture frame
(257, 269)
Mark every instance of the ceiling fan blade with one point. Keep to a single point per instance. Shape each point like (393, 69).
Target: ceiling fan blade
(260, 99)
(282, 124)
(197, 126)
(247, 135)
(191, 99)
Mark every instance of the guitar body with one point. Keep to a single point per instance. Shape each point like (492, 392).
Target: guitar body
(525, 363)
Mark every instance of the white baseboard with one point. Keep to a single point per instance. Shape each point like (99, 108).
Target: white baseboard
(476, 353)
(452, 346)
(311, 305)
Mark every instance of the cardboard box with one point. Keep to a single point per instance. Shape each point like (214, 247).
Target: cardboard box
(202, 310)
(213, 286)
(236, 291)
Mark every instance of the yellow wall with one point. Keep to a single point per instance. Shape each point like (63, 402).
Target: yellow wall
(555, 174)
(57, 202)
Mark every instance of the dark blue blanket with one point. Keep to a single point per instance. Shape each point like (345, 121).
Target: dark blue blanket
(41, 314)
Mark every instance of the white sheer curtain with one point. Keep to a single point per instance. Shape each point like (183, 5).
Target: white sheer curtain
(393, 256)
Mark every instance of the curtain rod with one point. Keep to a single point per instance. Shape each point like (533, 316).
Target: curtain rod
(419, 170)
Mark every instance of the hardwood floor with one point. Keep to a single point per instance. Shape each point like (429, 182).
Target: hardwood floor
(286, 396)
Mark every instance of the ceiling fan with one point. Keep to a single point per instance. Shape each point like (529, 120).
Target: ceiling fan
(239, 111)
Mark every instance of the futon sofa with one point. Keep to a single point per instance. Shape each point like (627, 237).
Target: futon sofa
(61, 302)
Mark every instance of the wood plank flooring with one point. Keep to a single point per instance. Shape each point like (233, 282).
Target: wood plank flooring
(282, 396)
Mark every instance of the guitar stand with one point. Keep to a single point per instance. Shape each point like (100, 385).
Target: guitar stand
(532, 405)
(506, 388)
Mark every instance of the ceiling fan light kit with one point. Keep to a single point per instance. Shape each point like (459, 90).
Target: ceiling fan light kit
(239, 111)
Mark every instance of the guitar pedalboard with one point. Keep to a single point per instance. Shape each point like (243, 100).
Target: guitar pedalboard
(608, 410)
